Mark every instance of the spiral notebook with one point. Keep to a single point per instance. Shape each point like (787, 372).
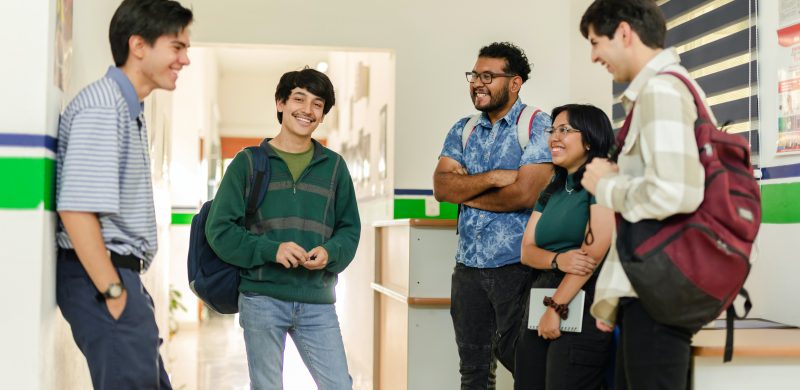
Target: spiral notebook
(574, 321)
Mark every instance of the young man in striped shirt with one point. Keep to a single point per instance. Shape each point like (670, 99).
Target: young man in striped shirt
(305, 233)
(107, 231)
(658, 174)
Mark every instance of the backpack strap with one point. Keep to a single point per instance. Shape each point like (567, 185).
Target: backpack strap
(259, 178)
(525, 125)
(730, 316)
(468, 129)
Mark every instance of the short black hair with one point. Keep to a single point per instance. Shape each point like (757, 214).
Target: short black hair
(644, 17)
(148, 19)
(516, 61)
(309, 79)
(596, 133)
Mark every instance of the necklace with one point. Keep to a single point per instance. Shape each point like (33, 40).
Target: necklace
(569, 190)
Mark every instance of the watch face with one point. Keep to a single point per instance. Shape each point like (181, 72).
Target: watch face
(114, 290)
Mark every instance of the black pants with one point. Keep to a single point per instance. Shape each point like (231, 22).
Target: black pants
(574, 361)
(121, 354)
(487, 306)
(650, 355)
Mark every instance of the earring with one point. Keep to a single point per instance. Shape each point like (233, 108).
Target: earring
(588, 147)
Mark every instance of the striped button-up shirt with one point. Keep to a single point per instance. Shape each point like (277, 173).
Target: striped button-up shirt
(659, 167)
(103, 166)
(488, 239)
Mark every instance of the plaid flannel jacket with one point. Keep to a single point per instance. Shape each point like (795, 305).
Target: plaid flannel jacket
(659, 167)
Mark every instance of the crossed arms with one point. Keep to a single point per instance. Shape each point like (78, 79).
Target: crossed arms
(499, 190)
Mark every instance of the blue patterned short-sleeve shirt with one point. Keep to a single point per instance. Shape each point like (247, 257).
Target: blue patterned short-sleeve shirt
(488, 239)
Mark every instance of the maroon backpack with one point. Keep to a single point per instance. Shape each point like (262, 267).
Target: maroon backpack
(688, 268)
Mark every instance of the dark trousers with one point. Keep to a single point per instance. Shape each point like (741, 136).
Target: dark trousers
(486, 307)
(122, 353)
(574, 361)
(650, 355)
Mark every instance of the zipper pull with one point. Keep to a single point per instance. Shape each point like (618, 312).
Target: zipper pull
(294, 189)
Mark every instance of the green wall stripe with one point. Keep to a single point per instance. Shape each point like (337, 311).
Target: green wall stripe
(415, 208)
(27, 182)
(182, 218)
(780, 203)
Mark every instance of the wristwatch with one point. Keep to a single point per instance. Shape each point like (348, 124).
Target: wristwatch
(113, 291)
(554, 263)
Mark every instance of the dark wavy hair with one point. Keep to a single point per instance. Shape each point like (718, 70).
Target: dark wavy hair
(516, 61)
(309, 79)
(596, 133)
(644, 17)
(148, 19)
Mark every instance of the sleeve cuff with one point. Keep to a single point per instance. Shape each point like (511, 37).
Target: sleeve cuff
(604, 191)
(269, 251)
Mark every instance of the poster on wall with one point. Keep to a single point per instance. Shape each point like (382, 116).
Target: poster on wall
(788, 59)
(63, 44)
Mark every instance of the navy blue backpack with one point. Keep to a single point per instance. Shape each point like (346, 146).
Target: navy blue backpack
(214, 281)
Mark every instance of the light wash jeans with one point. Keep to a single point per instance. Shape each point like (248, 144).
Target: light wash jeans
(314, 329)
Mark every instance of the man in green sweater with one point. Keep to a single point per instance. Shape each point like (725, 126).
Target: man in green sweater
(305, 234)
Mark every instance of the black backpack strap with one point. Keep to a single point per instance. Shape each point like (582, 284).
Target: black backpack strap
(729, 318)
(260, 177)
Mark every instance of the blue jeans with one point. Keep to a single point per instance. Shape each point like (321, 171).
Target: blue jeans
(314, 329)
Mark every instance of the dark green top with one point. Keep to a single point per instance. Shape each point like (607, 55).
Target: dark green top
(317, 209)
(562, 227)
(297, 162)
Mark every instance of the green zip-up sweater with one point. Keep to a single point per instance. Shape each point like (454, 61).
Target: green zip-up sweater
(319, 209)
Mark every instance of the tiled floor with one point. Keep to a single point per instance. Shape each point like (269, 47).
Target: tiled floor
(212, 356)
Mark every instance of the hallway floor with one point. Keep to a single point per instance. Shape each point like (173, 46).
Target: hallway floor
(212, 356)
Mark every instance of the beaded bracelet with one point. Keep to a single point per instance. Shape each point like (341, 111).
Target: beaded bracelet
(561, 309)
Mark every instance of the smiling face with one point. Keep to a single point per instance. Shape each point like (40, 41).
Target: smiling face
(302, 112)
(162, 61)
(495, 96)
(567, 149)
(610, 53)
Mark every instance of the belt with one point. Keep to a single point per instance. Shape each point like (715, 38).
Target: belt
(122, 261)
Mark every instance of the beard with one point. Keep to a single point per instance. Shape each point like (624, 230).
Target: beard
(496, 101)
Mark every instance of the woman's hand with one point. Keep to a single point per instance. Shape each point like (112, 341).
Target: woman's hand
(604, 326)
(576, 262)
(549, 325)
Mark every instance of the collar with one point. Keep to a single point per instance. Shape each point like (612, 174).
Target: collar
(510, 118)
(128, 92)
(665, 58)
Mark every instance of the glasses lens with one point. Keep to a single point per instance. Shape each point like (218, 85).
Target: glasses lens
(486, 78)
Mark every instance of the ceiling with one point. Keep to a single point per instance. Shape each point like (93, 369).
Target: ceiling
(266, 59)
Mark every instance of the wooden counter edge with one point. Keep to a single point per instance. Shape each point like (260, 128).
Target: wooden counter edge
(417, 222)
(411, 301)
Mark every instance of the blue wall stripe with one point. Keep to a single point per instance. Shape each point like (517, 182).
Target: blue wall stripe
(781, 172)
(405, 191)
(29, 141)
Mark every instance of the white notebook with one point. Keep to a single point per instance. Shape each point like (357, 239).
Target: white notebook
(574, 321)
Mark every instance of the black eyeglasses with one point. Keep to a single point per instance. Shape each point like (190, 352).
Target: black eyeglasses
(562, 130)
(486, 77)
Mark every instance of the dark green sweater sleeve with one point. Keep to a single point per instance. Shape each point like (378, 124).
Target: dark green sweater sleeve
(341, 247)
(225, 229)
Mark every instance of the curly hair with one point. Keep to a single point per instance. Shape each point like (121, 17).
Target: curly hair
(516, 61)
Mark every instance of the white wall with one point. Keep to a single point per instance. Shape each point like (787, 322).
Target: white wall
(775, 263)
(29, 104)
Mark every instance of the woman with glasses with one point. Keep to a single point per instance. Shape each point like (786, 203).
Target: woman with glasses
(567, 236)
